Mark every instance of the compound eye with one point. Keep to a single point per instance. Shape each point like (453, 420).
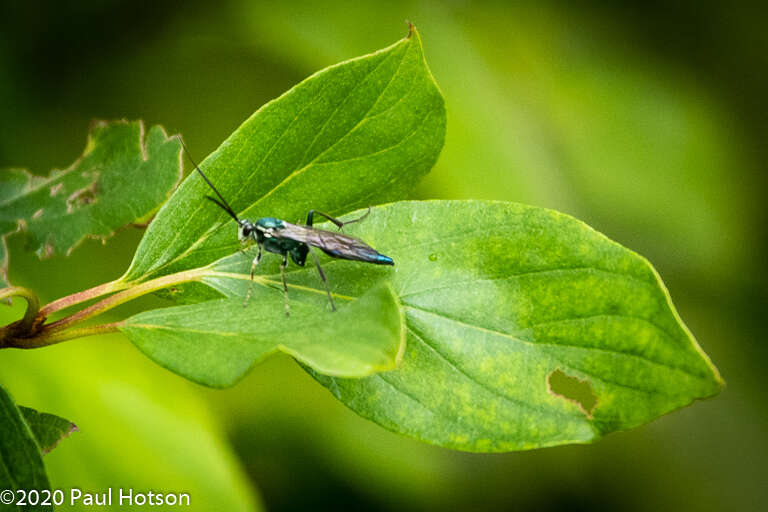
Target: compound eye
(245, 232)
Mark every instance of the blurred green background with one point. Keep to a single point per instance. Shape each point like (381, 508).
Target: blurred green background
(646, 120)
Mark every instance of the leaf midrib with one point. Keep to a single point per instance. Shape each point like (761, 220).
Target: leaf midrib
(535, 344)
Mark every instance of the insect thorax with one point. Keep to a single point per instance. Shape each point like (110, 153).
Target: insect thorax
(263, 229)
(266, 233)
(266, 223)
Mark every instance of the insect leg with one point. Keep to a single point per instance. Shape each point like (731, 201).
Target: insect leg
(339, 224)
(285, 284)
(322, 276)
(255, 262)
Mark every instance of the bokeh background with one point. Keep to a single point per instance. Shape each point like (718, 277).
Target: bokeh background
(645, 119)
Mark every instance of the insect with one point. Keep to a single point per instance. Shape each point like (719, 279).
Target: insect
(280, 237)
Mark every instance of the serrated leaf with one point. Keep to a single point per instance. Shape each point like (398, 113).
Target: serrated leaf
(122, 177)
(355, 134)
(21, 463)
(506, 307)
(48, 429)
(217, 342)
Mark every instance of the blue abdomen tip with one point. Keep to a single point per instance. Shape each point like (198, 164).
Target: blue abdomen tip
(384, 260)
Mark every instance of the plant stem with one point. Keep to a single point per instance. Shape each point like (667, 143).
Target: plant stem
(33, 305)
(123, 297)
(53, 337)
(77, 298)
(29, 333)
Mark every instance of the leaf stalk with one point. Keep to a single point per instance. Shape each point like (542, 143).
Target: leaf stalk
(31, 332)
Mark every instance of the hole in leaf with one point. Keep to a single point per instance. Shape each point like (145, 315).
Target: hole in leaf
(573, 389)
(82, 197)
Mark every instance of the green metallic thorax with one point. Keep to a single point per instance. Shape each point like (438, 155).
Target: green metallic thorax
(297, 250)
(269, 223)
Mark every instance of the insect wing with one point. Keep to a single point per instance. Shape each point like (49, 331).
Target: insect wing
(334, 244)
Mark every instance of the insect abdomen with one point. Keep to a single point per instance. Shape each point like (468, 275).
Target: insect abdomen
(366, 254)
(384, 260)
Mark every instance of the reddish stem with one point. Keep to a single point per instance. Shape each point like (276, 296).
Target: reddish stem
(33, 334)
(77, 298)
(123, 297)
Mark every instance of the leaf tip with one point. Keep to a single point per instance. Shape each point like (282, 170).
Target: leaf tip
(411, 28)
(44, 450)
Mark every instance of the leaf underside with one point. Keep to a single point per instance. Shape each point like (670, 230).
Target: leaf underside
(122, 177)
(498, 297)
(217, 342)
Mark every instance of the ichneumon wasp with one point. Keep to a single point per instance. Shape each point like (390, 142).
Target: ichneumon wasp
(280, 237)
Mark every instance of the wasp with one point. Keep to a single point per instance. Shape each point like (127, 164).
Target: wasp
(280, 237)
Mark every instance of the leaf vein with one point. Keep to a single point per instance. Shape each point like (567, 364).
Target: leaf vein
(537, 344)
(516, 401)
(344, 101)
(405, 138)
(300, 170)
(285, 131)
(529, 272)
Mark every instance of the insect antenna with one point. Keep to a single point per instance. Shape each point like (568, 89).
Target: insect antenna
(223, 204)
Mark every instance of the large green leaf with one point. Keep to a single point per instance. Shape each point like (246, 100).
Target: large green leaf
(122, 177)
(526, 328)
(357, 133)
(217, 342)
(21, 463)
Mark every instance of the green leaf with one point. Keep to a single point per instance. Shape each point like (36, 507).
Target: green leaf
(48, 429)
(217, 342)
(122, 177)
(3, 263)
(358, 133)
(526, 328)
(21, 463)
